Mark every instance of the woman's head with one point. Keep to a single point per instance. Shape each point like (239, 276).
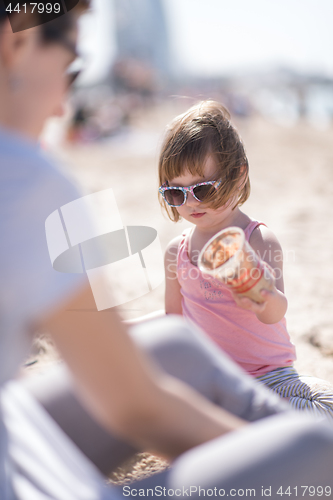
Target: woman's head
(33, 64)
(203, 132)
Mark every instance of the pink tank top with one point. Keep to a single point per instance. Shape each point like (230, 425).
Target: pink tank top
(258, 348)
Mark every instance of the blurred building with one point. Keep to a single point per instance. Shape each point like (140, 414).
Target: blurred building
(142, 42)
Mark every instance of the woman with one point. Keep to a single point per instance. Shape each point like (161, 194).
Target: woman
(124, 389)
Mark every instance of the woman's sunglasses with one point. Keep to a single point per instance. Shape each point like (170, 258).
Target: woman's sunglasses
(52, 34)
(74, 70)
(176, 196)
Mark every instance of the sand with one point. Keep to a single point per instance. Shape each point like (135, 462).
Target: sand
(291, 171)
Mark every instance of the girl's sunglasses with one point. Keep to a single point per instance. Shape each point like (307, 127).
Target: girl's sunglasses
(177, 196)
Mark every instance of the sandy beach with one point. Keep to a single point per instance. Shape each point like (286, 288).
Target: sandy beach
(292, 190)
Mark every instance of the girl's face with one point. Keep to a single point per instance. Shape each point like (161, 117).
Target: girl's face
(195, 211)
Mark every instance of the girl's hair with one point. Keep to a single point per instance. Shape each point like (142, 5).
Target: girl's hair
(205, 130)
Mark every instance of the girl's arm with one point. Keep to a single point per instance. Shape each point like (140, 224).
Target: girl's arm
(274, 307)
(124, 389)
(173, 296)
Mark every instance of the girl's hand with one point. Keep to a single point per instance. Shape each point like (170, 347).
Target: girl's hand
(251, 305)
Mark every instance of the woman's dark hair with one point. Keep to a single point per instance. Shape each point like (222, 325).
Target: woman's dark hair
(52, 26)
(205, 130)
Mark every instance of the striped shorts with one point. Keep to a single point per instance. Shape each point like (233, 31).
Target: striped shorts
(305, 393)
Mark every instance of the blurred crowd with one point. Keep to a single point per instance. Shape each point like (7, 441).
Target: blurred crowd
(104, 110)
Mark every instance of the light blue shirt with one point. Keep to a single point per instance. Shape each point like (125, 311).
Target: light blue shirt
(31, 188)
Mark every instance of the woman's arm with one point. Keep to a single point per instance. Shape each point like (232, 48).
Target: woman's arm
(124, 389)
(275, 304)
(173, 296)
(147, 317)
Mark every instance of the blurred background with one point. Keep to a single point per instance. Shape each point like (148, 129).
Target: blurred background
(271, 64)
(261, 58)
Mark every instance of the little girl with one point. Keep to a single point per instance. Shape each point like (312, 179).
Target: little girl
(203, 173)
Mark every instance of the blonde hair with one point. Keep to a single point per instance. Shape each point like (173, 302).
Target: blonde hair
(205, 130)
